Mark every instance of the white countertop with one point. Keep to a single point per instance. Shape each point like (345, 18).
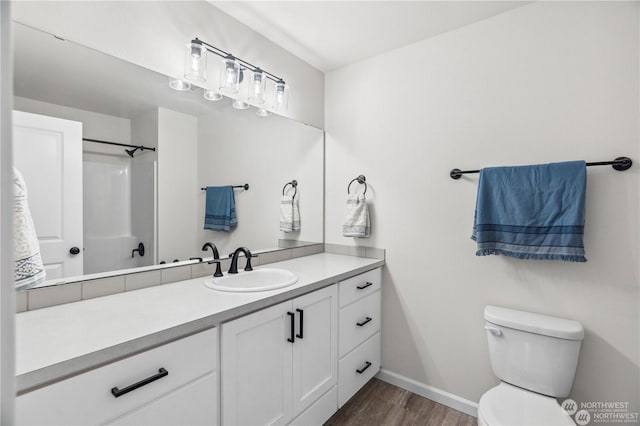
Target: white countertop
(60, 341)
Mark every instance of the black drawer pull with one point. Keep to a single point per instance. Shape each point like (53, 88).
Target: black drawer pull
(362, 287)
(362, 370)
(360, 324)
(292, 317)
(119, 392)
(299, 336)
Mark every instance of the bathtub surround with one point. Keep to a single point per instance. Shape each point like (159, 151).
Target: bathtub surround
(549, 81)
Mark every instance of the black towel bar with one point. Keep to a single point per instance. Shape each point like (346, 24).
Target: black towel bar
(245, 187)
(620, 164)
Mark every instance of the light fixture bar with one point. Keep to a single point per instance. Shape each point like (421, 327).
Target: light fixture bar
(224, 54)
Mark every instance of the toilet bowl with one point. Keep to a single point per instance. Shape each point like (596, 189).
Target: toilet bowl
(535, 356)
(509, 405)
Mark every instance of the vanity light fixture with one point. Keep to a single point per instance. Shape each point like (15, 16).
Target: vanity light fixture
(238, 104)
(281, 101)
(257, 90)
(180, 85)
(211, 95)
(263, 112)
(232, 75)
(195, 65)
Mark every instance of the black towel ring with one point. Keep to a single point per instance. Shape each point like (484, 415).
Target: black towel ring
(294, 184)
(361, 180)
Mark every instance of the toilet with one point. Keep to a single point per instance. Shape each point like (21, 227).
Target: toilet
(535, 357)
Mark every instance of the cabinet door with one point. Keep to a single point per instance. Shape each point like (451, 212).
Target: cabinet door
(256, 368)
(315, 351)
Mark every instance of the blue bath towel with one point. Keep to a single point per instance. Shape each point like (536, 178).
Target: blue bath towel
(532, 212)
(220, 209)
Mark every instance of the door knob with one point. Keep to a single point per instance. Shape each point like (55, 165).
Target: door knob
(74, 250)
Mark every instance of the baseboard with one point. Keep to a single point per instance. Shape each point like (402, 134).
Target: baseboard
(429, 392)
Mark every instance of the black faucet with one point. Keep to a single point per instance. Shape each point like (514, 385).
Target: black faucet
(233, 269)
(216, 258)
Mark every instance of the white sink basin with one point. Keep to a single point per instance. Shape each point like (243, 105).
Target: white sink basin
(257, 280)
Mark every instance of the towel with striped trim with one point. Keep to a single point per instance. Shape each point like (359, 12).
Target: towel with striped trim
(532, 212)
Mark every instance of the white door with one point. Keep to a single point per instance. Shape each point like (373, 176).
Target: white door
(315, 351)
(48, 153)
(256, 368)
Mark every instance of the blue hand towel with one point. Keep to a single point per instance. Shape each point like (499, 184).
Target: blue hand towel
(220, 209)
(532, 212)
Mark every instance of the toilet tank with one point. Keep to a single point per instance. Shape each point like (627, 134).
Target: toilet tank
(533, 351)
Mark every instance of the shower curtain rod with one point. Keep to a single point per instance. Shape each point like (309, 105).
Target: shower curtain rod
(140, 147)
(620, 164)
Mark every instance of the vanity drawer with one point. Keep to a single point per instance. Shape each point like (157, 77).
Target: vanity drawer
(359, 286)
(88, 398)
(357, 368)
(359, 321)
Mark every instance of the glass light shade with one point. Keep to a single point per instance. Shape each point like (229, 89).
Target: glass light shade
(180, 85)
(230, 75)
(238, 104)
(211, 95)
(195, 64)
(258, 87)
(263, 112)
(281, 96)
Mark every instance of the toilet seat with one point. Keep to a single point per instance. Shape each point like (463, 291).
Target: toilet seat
(509, 405)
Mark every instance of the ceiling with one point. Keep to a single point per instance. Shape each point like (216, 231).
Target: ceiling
(332, 34)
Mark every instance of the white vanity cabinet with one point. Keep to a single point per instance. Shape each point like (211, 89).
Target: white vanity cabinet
(359, 328)
(172, 384)
(280, 363)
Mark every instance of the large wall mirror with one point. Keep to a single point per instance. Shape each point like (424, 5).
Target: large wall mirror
(106, 199)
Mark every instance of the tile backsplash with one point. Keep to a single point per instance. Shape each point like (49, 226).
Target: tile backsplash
(72, 292)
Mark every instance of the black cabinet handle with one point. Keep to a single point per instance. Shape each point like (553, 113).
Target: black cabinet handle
(119, 392)
(362, 370)
(360, 324)
(362, 287)
(299, 336)
(292, 316)
(74, 250)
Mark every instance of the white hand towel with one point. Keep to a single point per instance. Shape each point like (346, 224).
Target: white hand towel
(356, 217)
(289, 214)
(29, 270)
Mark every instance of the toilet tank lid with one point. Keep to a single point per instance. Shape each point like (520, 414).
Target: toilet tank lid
(534, 323)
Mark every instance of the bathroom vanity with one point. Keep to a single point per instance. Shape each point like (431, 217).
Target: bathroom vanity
(183, 353)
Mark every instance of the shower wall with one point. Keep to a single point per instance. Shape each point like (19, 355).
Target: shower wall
(108, 238)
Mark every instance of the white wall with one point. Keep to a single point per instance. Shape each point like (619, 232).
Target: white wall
(238, 147)
(144, 131)
(153, 34)
(177, 185)
(550, 81)
(94, 125)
